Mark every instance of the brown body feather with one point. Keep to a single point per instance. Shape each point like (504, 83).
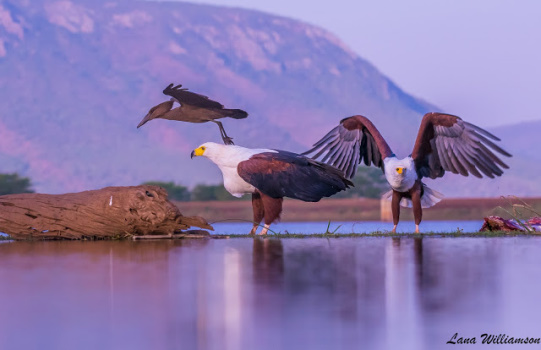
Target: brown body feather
(280, 174)
(414, 194)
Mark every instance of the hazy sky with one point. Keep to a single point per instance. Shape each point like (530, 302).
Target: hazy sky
(479, 59)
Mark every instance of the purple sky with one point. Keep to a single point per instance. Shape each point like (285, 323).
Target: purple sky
(478, 59)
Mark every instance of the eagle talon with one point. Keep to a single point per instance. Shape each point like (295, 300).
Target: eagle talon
(265, 230)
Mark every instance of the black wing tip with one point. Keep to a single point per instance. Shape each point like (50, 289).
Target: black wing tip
(428, 114)
(172, 88)
(507, 154)
(238, 114)
(346, 118)
(482, 131)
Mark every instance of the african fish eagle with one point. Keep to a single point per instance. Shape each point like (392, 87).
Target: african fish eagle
(444, 143)
(270, 175)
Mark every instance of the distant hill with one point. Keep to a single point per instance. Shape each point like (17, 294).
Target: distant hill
(77, 76)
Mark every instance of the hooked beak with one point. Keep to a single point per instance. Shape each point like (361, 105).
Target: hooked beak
(400, 170)
(145, 119)
(197, 152)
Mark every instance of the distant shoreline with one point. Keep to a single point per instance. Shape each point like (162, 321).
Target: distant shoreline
(355, 209)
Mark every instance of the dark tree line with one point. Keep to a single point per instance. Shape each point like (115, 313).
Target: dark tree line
(198, 193)
(369, 182)
(13, 183)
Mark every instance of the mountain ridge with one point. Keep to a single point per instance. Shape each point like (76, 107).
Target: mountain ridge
(77, 77)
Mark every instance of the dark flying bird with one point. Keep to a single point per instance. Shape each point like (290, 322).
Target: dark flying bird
(194, 108)
(271, 175)
(444, 143)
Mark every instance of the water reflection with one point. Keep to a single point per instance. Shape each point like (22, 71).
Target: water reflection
(267, 293)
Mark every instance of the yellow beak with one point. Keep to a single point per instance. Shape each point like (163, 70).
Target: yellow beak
(400, 170)
(197, 152)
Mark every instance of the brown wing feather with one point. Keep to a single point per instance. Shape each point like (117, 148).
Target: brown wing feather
(447, 143)
(183, 96)
(286, 174)
(353, 141)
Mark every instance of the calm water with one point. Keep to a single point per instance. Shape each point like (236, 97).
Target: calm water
(231, 228)
(244, 293)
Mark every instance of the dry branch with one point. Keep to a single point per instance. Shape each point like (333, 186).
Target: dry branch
(110, 212)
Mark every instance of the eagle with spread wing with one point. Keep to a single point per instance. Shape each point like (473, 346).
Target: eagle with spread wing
(444, 142)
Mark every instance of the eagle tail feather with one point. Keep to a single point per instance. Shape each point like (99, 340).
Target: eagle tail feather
(429, 198)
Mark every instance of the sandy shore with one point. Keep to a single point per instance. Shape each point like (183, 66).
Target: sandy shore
(354, 209)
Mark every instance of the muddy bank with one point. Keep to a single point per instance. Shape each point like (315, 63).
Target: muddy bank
(354, 209)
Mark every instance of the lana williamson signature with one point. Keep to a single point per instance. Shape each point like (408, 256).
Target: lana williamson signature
(493, 339)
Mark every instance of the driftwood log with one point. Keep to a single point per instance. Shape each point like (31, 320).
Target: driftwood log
(111, 212)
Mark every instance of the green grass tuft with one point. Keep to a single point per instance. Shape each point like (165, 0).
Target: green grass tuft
(386, 234)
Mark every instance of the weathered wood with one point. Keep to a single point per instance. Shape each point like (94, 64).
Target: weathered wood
(111, 212)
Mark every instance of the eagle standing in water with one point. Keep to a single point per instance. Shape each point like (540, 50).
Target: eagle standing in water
(444, 143)
(194, 108)
(270, 175)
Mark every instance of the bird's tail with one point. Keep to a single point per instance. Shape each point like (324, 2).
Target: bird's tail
(429, 198)
(236, 113)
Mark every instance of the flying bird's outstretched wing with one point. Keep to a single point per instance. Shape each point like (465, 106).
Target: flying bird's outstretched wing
(446, 142)
(353, 141)
(183, 96)
(285, 174)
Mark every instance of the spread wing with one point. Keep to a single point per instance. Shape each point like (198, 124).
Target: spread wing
(446, 142)
(286, 174)
(353, 141)
(183, 96)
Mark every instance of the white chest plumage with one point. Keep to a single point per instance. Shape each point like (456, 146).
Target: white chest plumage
(233, 183)
(227, 158)
(404, 181)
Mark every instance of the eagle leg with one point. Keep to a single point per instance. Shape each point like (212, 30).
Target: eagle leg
(258, 211)
(272, 208)
(265, 229)
(227, 140)
(395, 207)
(417, 208)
